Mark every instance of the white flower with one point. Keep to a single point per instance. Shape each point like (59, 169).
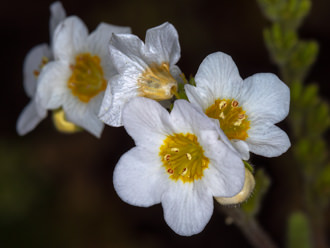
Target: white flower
(34, 61)
(146, 70)
(181, 160)
(76, 80)
(247, 110)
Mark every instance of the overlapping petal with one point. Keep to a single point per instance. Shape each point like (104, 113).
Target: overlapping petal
(142, 179)
(139, 178)
(70, 39)
(187, 208)
(265, 97)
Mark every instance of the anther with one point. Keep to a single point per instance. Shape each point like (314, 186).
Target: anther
(234, 104)
(222, 115)
(238, 122)
(241, 116)
(188, 156)
(184, 171)
(36, 73)
(170, 171)
(222, 104)
(167, 157)
(174, 149)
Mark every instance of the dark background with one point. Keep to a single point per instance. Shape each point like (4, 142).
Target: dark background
(56, 190)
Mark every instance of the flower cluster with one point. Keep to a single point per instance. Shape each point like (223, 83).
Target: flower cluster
(186, 152)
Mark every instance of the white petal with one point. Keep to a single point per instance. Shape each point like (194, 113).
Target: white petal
(162, 44)
(242, 147)
(52, 88)
(70, 39)
(187, 118)
(220, 75)
(99, 39)
(139, 178)
(84, 114)
(147, 122)
(187, 207)
(265, 97)
(200, 96)
(121, 89)
(267, 140)
(32, 63)
(225, 175)
(30, 118)
(126, 50)
(57, 14)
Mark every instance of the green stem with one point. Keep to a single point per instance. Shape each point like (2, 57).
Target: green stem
(250, 227)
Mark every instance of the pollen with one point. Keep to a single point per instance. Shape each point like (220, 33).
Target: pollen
(87, 78)
(183, 158)
(232, 118)
(157, 83)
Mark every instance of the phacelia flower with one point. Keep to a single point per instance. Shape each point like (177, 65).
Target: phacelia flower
(181, 160)
(34, 62)
(247, 110)
(76, 80)
(146, 70)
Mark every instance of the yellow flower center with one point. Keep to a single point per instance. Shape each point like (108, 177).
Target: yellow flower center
(232, 118)
(183, 157)
(157, 83)
(87, 79)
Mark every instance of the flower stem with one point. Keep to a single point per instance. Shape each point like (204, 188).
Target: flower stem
(250, 227)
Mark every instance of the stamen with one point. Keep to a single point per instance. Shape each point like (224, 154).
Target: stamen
(87, 79)
(232, 118)
(222, 104)
(157, 83)
(167, 157)
(181, 153)
(234, 104)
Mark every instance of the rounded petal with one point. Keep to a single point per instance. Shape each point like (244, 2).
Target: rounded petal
(30, 118)
(126, 51)
(32, 64)
(84, 114)
(225, 175)
(187, 207)
(243, 148)
(120, 90)
(219, 74)
(199, 96)
(99, 39)
(52, 88)
(186, 116)
(69, 39)
(57, 14)
(162, 44)
(267, 140)
(265, 97)
(138, 178)
(147, 122)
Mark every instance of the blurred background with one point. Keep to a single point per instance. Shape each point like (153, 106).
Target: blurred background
(56, 190)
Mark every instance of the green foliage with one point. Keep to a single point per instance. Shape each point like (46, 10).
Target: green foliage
(309, 115)
(290, 12)
(298, 231)
(253, 205)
